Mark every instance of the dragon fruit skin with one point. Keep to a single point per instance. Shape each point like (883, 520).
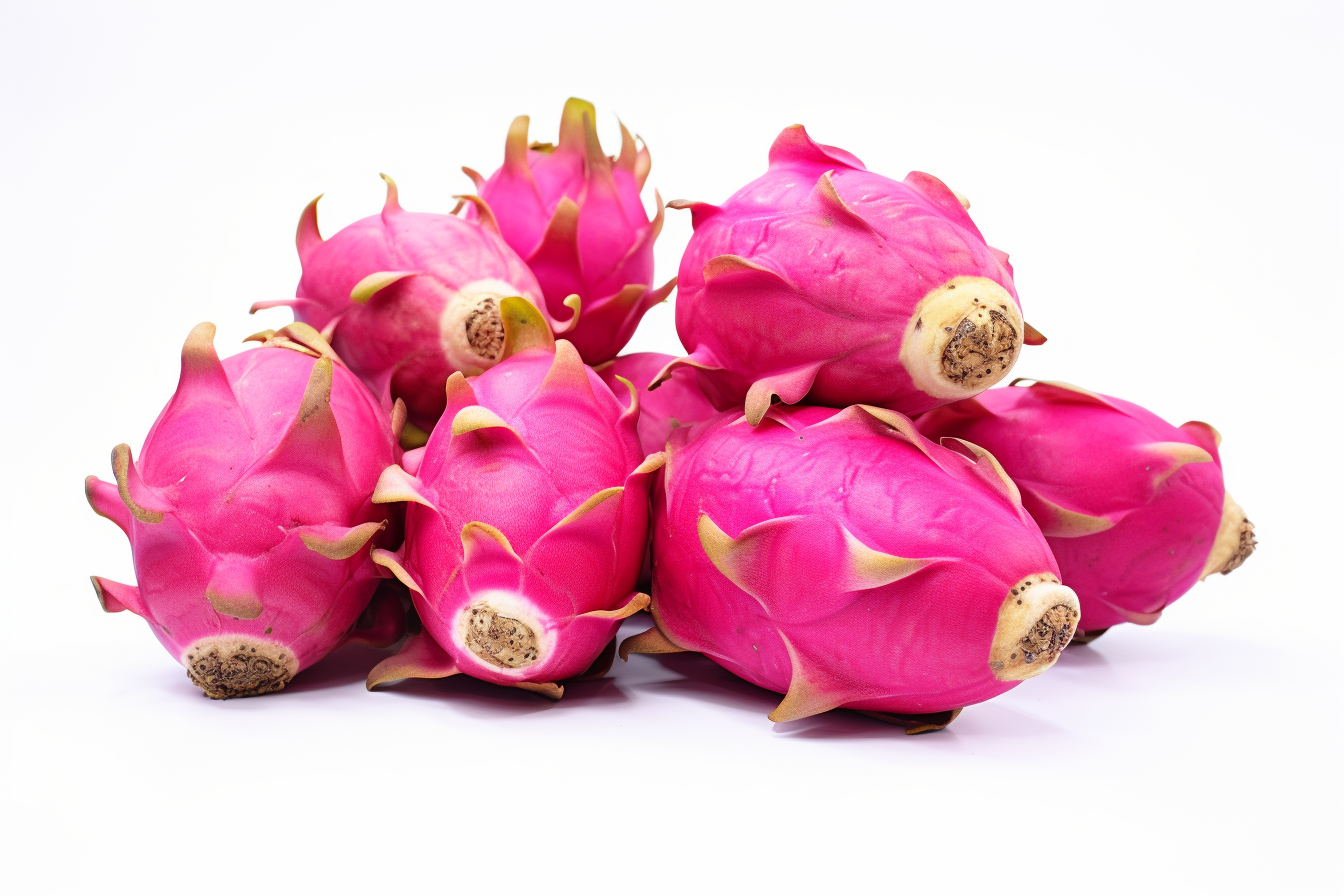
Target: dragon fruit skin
(823, 280)
(527, 521)
(408, 298)
(678, 401)
(249, 511)
(1134, 508)
(575, 215)
(838, 557)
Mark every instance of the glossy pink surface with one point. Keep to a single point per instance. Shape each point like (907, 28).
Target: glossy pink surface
(797, 490)
(400, 339)
(1103, 458)
(576, 216)
(560, 438)
(836, 260)
(245, 466)
(677, 402)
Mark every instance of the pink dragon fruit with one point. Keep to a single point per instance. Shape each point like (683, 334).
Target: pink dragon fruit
(823, 280)
(250, 509)
(677, 402)
(842, 559)
(576, 216)
(407, 298)
(1133, 507)
(527, 519)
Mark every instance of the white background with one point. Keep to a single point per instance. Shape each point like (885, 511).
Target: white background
(1167, 180)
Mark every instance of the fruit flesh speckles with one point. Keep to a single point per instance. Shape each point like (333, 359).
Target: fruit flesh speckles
(500, 640)
(238, 667)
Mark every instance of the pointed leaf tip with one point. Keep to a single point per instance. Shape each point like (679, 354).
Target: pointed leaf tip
(475, 417)
(794, 145)
(317, 394)
(655, 461)
(143, 504)
(515, 145)
(200, 341)
(372, 284)
(633, 410)
(476, 179)
(392, 561)
(483, 211)
(589, 505)
(114, 597)
(1060, 522)
(339, 542)
(457, 393)
(996, 473)
(1174, 455)
(399, 419)
(574, 304)
(643, 163)
(700, 211)
(651, 641)
(524, 326)
(307, 237)
(105, 500)
(637, 602)
(830, 198)
(475, 532)
(567, 371)
(421, 657)
(804, 698)
(395, 485)
(573, 134)
(869, 568)
(626, 159)
(1203, 433)
(391, 205)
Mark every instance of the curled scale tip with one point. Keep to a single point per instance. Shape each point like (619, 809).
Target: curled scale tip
(307, 237)
(476, 177)
(487, 215)
(515, 145)
(391, 204)
(372, 284)
(573, 134)
(524, 326)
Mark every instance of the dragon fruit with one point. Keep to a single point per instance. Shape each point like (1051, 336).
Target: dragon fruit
(527, 519)
(823, 280)
(1133, 507)
(407, 298)
(677, 402)
(250, 511)
(576, 216)
(842, 559)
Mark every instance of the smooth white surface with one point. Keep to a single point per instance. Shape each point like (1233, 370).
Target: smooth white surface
(1167, 180)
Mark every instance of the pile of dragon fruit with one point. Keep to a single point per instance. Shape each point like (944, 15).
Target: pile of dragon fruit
(446, 452)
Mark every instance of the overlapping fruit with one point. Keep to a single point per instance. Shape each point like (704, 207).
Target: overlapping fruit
(824, 495)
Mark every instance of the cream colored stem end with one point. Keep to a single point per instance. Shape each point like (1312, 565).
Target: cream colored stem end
(227, 666)
(1234, 542)
(1036, 622)
(964, 337)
